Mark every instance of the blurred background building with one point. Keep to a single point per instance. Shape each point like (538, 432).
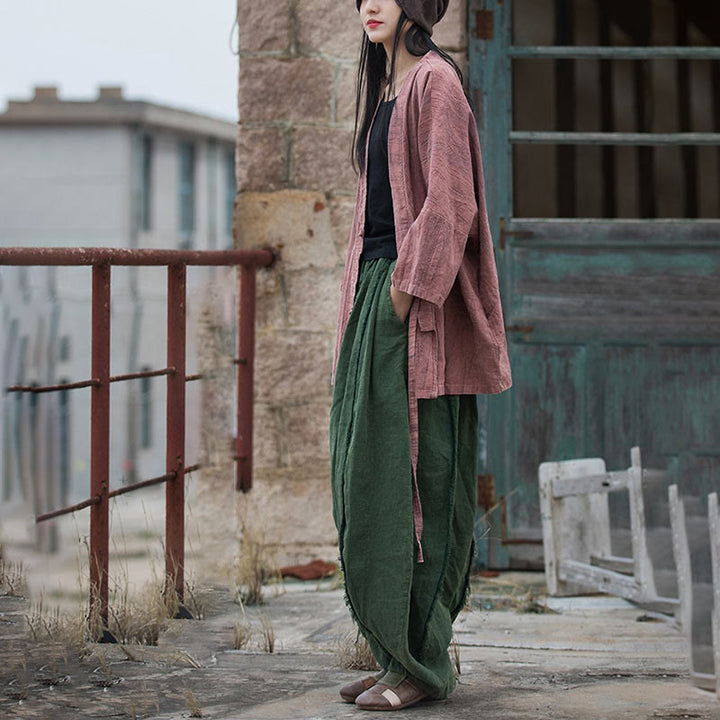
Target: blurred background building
(109, 172)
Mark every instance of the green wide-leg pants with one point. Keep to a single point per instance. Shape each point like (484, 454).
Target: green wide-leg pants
(405, 609)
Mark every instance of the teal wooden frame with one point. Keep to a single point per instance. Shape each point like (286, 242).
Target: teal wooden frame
(491, 55)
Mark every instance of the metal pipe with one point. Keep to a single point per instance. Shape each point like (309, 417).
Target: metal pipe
(100, 440)
(175, 428)
(120, 491)
(52, 388)
(245, 366)
(129, 256)
(140, 374)
(87, 383)
(66, 511)
(142, 484)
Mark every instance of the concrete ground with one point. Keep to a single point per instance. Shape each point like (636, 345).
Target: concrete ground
(583, 658)
(588, 658)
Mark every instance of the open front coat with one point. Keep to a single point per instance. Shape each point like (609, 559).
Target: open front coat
(456, 334)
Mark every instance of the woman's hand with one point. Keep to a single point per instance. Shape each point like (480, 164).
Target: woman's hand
(401, 302)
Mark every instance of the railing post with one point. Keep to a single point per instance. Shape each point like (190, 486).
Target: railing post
(245, 377)
(175, 444)
(100, 441)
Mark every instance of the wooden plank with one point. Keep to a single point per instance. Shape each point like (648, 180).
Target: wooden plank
(601, 579)
(565, 523)
(617, 564)
(681, 551)
(604, 483)
(681, 548)
(714, 518)
(643, 565)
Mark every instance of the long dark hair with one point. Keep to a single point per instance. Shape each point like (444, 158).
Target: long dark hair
(373, 73)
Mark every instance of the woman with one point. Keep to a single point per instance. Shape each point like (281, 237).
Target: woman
(420, 333)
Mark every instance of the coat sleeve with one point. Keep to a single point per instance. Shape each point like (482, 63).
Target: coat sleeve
(430, 254)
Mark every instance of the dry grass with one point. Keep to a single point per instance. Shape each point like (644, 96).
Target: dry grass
(132, 620)
(454, 651)
(242, 634)
(140, 620)
(54, 629)
(13, 577)
(354, 653)
(267, 635)
(255, 566)
(192, 703)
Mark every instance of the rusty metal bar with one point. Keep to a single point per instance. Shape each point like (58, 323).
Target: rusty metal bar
(138, 375)
(53, 388)
(66, 511)
(192, 378)
(175, 428)
(120, 491)
(100, 440)
(87, 383)
(142, 484)
(132, 256)
(245, 367)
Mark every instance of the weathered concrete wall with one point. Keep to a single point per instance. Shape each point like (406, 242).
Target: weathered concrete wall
(296, 192)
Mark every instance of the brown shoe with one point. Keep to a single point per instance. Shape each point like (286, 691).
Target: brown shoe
(350, 691)
(384, 697)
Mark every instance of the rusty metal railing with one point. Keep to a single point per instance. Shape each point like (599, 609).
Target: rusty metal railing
(101, 260)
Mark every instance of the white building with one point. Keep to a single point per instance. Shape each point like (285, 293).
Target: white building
(116, 173)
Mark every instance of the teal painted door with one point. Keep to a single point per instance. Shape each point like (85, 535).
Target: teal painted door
(604, 192)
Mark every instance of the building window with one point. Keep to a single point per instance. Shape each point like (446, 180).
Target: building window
(212, 193)
(187, 190)
(64, 438)
(146, 163)
(606, 124)
(146, 410)
(230, 190)
(64, 348)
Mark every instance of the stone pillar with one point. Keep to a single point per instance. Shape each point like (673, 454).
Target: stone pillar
(296, 192)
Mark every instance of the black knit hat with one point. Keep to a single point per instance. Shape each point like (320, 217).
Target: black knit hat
(424, 13)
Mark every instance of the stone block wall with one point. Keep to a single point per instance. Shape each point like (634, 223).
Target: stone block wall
(297, 64)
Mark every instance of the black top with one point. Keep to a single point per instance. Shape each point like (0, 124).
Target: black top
(379, 238)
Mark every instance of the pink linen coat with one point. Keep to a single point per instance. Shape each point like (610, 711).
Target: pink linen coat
(456, 332)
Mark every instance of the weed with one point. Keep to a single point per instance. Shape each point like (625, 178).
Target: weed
(267, 635)
(13, 577)
(354, 653)
(192, 703)
(242, 634)
(254, 567)
(139, 620)
(529, 603)
(193, 603)
(48, 626)
(454, 651)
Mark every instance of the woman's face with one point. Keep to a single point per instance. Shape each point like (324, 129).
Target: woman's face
(379, 19)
